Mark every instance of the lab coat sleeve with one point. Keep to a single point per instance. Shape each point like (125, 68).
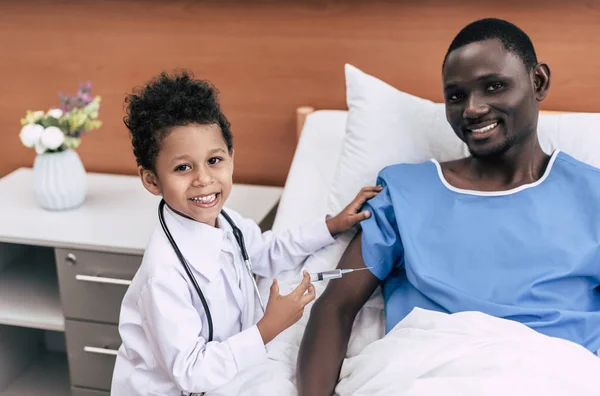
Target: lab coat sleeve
(272, 253)
(173, 326)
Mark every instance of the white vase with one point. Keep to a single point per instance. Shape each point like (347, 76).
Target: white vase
(60, 181)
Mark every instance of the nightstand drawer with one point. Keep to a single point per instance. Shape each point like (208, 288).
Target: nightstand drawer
(91, 349)
(92, 284)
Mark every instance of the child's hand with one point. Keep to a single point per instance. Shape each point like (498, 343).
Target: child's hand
(284, 311)
(350, 215)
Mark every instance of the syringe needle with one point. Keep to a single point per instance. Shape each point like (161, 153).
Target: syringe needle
(347, 271)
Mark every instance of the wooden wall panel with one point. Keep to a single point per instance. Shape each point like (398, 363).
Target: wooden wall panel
(267, 58)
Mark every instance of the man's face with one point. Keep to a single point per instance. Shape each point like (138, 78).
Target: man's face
(490, 97)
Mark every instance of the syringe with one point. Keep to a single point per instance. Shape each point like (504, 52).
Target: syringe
(334, 274)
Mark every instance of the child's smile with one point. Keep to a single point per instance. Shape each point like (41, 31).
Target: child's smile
(206, 201)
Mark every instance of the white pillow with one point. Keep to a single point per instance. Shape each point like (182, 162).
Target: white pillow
(311, 173)
(386, 126)
(577, 134)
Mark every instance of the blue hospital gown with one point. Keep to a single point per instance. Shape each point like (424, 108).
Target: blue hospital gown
(531, 254)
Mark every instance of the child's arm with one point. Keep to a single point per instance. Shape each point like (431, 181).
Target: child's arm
(173, 326)
(271, 253)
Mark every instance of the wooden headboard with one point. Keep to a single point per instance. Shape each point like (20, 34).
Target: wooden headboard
(266, 57)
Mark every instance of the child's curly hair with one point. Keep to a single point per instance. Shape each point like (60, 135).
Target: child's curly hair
(168, 101)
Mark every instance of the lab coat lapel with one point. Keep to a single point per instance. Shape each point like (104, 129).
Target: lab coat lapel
(199, 243)
(248, 292)
(244, 292)
(236, 289)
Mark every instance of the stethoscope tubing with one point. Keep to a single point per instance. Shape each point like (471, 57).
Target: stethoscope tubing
(237, 233)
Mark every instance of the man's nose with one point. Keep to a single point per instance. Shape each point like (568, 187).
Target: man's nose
(475, 108)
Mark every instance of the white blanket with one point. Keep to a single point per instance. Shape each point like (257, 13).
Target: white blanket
(431, 353)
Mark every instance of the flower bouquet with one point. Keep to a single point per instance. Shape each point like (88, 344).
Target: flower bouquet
(59, 175)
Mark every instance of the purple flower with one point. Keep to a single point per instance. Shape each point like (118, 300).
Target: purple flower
(81, 99)
(85, 88)
(85, 98)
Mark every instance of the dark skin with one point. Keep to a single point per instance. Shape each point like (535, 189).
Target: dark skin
(485, 84)
(492, 103)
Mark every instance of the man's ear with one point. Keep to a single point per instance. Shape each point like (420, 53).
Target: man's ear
(541, 81)
(232, 155)
(149, 180)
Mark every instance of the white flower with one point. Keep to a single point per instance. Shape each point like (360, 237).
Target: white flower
(52, 138)
(55, 113)
(39, 147)
(30, 134)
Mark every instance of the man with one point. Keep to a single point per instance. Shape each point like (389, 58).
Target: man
(505, 231)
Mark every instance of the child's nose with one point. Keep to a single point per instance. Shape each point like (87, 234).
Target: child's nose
(204, 178)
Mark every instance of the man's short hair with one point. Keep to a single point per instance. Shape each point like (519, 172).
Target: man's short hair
(512, 37)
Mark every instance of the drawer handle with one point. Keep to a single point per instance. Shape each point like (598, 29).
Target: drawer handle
(100, 351)
(99, 279)
(71, 259)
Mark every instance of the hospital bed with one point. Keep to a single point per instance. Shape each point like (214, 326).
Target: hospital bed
(322, 180)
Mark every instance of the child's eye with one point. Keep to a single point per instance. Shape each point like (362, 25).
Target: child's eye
(182, 168)
(495, 86)
(214, 160)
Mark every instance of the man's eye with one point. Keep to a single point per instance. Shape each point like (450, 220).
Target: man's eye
(495, 86)
(214, 160)
(455, 97)
(182, 168)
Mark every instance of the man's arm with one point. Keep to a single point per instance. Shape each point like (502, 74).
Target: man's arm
(325, 340)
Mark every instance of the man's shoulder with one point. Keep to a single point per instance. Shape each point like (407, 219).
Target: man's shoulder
(577, 168)
(407, 172)
(579, 180)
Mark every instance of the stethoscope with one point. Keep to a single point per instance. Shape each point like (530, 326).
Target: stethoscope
(239, 237)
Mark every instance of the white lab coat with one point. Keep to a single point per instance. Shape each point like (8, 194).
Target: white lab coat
(163, 325)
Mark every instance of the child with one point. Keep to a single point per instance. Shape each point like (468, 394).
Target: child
(183, 147)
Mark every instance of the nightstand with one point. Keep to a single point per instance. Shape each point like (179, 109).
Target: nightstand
(63, 276)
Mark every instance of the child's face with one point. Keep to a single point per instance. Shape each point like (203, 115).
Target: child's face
(194, 172)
